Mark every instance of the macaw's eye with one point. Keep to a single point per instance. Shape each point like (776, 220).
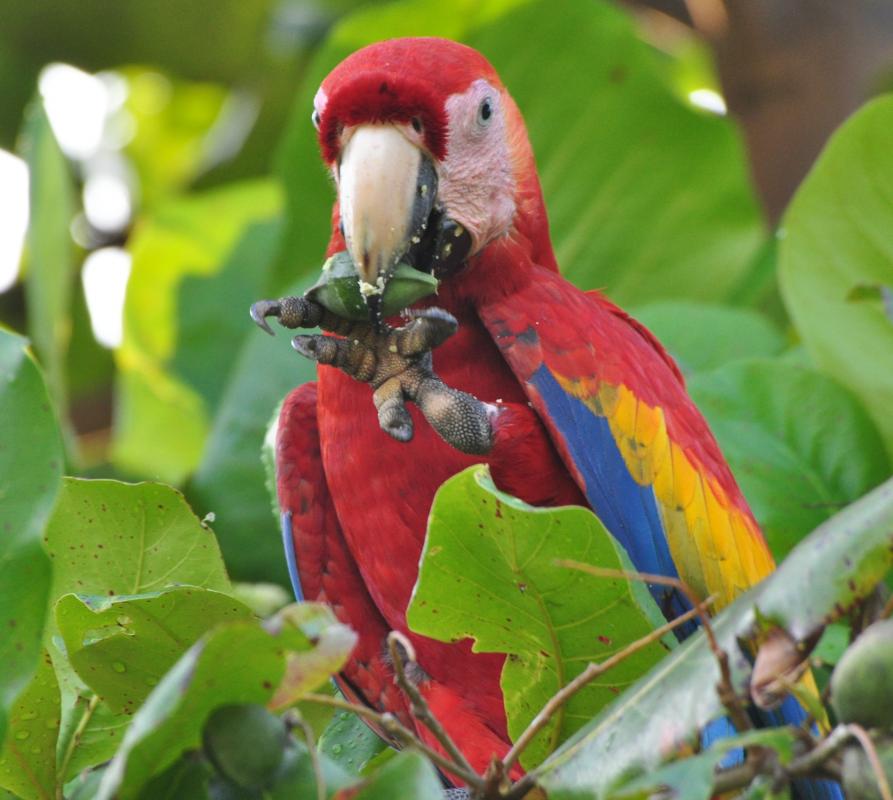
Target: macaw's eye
(485, 111)
(314, 118)
(416, 124)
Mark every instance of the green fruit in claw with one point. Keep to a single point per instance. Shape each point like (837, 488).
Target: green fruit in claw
(859, 780)
(862, 683)
(245, 743)
(339, 290)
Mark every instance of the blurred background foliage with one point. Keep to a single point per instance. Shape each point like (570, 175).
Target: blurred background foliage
(159, 172)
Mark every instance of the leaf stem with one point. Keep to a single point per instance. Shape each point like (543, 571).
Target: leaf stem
(73, 742)
(419, 708)
(883, 785)
(391, 725)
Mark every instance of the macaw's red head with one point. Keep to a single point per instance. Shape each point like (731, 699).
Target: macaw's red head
(430, 157)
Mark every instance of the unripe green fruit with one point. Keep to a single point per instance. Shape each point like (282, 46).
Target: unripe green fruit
(862, 683)
(338, 288)
(245, 744)
(859, 780)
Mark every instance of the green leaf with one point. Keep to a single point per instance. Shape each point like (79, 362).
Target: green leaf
(840, 562)
(408, 774)
(646, 196)
(50, 265)
(832, 645)
(168, 382)
(692, 778)
(297, 779)
(837, 237)
(230, 480)
(790, 434)
(702, 337)
(350, 742)
(488, 572)
(30, 473)
(121, 646)
(109, 538)
(307, 669)
(28, 758)
(237, 663)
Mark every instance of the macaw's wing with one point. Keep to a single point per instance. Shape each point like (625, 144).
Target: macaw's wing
(321, 567)
(616, 407)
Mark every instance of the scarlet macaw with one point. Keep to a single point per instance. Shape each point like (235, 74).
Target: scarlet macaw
(580, 404)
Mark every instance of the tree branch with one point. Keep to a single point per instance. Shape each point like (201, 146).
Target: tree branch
(725, 688)
(563, 695)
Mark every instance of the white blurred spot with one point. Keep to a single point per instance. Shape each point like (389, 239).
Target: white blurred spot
(107, 202)
(105, 275)
(77, 104)
(13, 216)
(708, 100)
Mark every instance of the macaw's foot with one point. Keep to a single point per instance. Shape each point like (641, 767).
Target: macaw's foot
(397, 363)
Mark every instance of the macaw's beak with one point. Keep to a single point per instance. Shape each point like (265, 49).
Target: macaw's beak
(386, 190)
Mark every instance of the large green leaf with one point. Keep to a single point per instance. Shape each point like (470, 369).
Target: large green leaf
(646, 197)
(172, 367)
(800, 444)
(237, 663)
(488, 572)
(840, 562)
(230, 480)
(837, 237)
(121, 646)
(30, 473)
(112, 539)
(702, 336)
(28, 757)
(50, 266)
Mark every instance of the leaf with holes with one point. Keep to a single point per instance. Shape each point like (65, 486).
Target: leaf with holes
(122, 646)
(488, 572)
(107, 538)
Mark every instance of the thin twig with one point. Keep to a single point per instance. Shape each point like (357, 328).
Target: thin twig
(806, 765)
(294, 719)
(725, 688)
(420, 709)
(591, 672)
(392, 726)
(868, 746)
(887, 610)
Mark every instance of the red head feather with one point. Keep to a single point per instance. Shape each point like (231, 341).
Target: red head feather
(398, 80)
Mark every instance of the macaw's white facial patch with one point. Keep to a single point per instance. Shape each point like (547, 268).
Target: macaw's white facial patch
(476, 183)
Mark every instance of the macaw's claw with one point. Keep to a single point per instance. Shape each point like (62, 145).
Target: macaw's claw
(291, 312)
(397, 364)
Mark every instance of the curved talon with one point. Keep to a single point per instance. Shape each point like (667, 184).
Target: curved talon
(261, 310)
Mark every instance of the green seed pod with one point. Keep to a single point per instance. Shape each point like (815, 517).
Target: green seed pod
(338, 288)
(245, 744)
(859, 780)
(862, 683)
